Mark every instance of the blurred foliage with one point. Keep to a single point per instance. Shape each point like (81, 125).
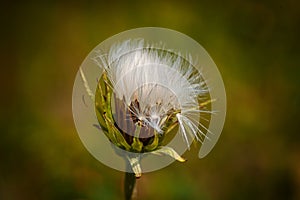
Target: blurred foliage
(255, 44)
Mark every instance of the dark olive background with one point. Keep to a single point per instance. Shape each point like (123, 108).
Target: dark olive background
(255, 44)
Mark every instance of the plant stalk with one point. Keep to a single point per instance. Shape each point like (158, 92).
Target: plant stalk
(129, 185)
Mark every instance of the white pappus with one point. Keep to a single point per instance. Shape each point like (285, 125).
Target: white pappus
(154, 82)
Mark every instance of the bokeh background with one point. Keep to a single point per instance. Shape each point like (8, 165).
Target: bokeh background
(255, 44)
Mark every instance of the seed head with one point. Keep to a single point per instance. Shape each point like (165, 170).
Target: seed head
(152, 90)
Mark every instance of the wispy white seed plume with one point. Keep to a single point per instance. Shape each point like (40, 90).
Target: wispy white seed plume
(154, 83)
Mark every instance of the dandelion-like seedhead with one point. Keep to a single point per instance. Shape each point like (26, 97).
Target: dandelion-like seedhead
(152, 85)
(149, 99)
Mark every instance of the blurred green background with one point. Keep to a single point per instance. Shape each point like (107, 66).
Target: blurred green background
(255, 44)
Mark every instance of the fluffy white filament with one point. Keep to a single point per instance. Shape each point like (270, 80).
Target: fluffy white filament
(160, 80)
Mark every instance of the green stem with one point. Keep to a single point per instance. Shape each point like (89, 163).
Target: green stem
(129, 184)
